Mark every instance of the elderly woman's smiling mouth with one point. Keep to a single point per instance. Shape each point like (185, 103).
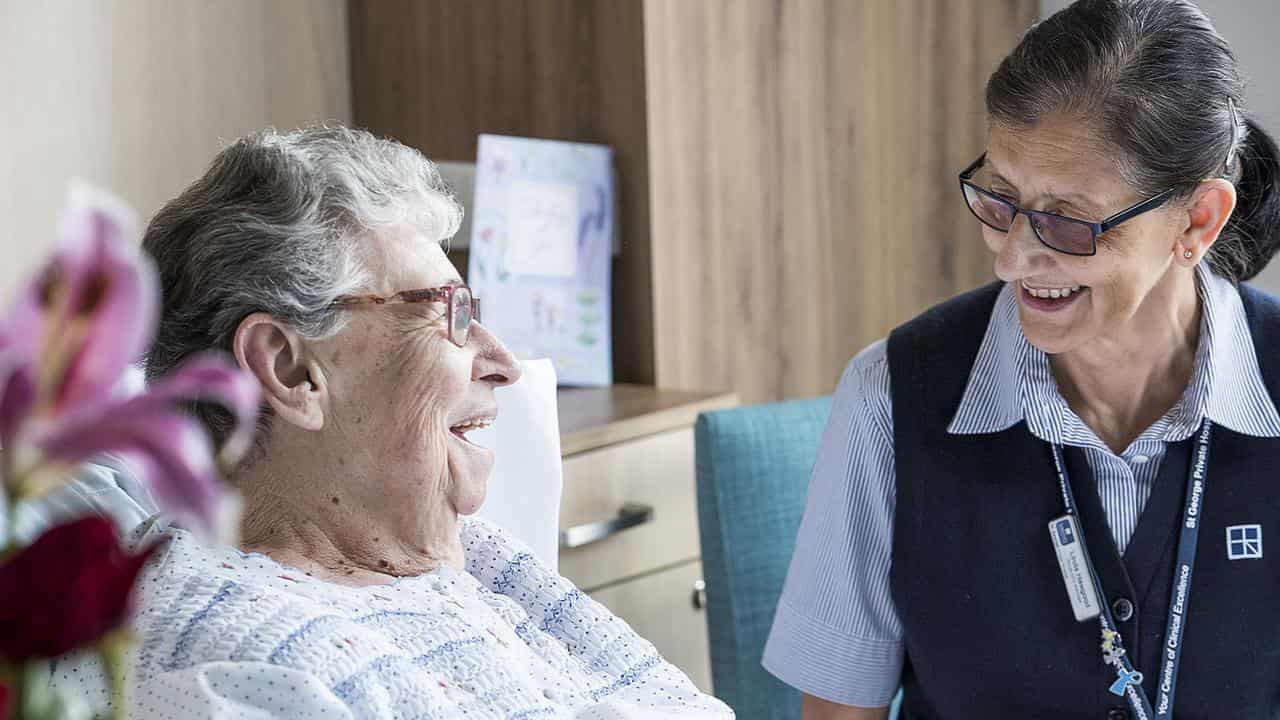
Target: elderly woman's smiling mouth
(475, 421)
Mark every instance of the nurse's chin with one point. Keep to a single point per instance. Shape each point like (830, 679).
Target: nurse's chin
(1058, 330)
(1051, 336)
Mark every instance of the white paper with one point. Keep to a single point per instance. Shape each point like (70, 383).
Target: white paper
(540, 252)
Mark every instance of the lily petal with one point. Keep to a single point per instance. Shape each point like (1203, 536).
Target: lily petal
(212, 377)
(17, 395)
(92, 310)
(169, 448)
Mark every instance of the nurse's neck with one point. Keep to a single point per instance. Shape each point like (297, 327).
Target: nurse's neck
(1123, 383)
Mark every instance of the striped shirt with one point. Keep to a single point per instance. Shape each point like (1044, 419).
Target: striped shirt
(836, 633)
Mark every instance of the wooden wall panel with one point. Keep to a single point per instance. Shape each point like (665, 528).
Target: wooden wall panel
(803, 157)
(436, 74)
(138, 95)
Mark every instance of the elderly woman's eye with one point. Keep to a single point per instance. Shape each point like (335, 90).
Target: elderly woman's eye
(423, 316)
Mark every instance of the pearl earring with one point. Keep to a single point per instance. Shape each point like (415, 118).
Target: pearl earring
(1188, 254)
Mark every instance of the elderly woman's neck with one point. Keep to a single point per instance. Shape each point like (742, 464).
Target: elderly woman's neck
(304, 522)
(1123, 384)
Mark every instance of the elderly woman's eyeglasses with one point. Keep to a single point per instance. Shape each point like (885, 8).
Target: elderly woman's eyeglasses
(461, 307)
(1058, 232)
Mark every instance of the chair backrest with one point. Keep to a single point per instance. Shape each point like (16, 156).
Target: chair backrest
(753, 466)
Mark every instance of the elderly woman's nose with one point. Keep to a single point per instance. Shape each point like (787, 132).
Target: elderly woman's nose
(494, 362)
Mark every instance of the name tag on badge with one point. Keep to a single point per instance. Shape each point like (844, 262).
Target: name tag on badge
(1065, 532)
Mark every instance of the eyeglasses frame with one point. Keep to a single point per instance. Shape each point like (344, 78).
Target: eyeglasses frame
(443, 293)
(1096, 228)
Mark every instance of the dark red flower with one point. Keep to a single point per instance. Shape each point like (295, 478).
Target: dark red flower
(6, 698)
(65, 590)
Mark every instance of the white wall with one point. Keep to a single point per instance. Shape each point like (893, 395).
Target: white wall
(138, 95)
(1250, 27)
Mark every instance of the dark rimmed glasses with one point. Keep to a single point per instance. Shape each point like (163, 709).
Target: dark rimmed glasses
(1057, 232)
(461, 307)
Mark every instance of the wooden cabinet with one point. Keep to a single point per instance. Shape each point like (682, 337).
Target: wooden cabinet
(650, 475)
(629, 520)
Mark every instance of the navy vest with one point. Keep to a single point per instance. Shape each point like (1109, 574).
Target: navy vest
(987, 625)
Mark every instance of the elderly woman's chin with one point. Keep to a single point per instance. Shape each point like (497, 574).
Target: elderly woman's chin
(469, 468)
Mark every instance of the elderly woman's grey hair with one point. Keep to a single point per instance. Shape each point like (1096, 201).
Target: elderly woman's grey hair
(276, 225)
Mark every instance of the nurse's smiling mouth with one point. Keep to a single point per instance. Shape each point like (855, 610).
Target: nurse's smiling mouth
(1050, 298)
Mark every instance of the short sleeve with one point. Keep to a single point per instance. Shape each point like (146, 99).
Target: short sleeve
(836, 633)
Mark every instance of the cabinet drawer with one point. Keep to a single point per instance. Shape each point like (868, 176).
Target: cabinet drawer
(655, 471)
(659, 606)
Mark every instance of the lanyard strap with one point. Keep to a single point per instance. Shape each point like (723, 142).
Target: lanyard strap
(1129, 680)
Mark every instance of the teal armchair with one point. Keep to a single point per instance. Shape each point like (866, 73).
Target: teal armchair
(753, 467)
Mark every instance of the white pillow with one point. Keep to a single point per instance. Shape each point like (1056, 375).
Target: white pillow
(524, 489)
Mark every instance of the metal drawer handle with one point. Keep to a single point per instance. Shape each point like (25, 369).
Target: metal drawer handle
(699, 598)
(629, 516)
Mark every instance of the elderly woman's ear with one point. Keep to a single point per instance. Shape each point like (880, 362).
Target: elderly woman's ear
(292, 384)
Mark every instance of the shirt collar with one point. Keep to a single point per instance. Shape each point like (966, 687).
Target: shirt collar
(1226, 386)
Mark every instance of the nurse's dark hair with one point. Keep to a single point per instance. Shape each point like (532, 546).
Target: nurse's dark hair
(1157, 82)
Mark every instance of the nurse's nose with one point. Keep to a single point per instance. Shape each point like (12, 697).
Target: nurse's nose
(1019, 252)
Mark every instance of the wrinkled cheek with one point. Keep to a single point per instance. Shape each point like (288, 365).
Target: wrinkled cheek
(422, 392)
(436, 463)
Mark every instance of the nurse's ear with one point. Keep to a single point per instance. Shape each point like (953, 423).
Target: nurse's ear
(277, 357)
(1206, 215)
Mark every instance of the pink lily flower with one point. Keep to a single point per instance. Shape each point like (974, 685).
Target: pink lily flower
(72, 334)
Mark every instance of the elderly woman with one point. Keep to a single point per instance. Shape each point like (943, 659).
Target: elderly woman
(360, 589)
(1047, 498)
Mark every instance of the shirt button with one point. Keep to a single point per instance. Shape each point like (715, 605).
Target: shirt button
(1139, 459)
(1123, 609)
(1118, 713)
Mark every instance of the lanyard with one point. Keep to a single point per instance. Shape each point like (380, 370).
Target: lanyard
(1128, 680)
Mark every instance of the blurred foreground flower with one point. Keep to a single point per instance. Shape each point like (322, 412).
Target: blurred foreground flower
(64, 346)
(75, 582)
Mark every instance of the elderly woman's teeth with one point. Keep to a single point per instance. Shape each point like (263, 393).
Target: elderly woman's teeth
(1051, 293)
(461, 429)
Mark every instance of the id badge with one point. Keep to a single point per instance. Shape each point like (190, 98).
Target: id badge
(1065, 532)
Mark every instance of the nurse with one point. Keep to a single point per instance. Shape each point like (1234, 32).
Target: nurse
(1059, 496)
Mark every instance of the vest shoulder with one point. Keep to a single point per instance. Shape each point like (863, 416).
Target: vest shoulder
(1260, 305)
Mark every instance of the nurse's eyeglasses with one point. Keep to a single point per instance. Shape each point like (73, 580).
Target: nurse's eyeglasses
(461, 307)
(1057, 232)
